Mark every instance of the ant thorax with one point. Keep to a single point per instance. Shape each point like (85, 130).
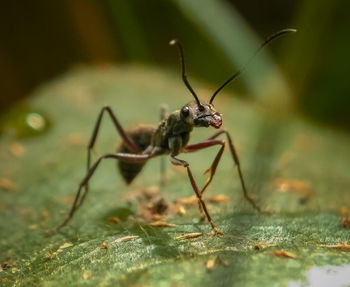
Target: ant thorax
(173, 133)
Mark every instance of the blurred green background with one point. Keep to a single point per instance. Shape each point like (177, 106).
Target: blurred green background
(42, 39)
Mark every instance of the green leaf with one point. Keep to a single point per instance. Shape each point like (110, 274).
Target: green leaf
(296, 170)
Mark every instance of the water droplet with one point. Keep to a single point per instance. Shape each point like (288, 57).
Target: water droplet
(36, 121)
(23, 121)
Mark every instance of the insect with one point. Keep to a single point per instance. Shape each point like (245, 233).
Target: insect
(144, 142)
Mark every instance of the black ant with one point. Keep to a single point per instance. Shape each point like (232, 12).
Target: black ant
(143, 142)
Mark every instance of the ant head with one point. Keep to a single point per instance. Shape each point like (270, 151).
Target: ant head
(197, 113)
(202, 115)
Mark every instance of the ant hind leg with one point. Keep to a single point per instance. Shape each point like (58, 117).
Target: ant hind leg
(125, 137)
(132, 158)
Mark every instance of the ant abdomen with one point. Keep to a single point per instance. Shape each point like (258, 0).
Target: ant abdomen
(141, 135)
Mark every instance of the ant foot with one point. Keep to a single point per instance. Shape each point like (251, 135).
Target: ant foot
(217, 232)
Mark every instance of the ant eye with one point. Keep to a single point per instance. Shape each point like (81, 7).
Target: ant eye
(185, 111)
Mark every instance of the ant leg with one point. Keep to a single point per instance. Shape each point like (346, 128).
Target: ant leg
(133, 158)
(205, 144)
(176, 161)
(163, 113)
(211, 170)
(162, 172)
(236, 161)
(126, 139)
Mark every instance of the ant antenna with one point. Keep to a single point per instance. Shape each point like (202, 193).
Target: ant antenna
(235, 75)
(184, 78)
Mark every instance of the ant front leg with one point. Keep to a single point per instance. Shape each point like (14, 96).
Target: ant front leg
(132, 158)
(236, 161)
(202, 145)
(211, 170)
(176, 161)
(126, 139)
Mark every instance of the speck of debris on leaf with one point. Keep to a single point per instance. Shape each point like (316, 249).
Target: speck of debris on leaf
(33, 226)
(126, 238)
(154, 210)
(104, 245)
(75, 139)
(210, 264)
(149, 192)
(7, 185)
(86, 274)
(342, 247)
(343, 211)
(305, 190)
(346, 221)
(219, 199)
(66, 245)
(45, 217)
(192, 200)
(262, 245)
(179, 209)
(17, 150)
(162, 224)
(285, 254)
(189, 235)
(114, 219)
(159, 207)
(157, 217)
(68, 200)
(45, 214)
(58, 251)
(5, 266)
